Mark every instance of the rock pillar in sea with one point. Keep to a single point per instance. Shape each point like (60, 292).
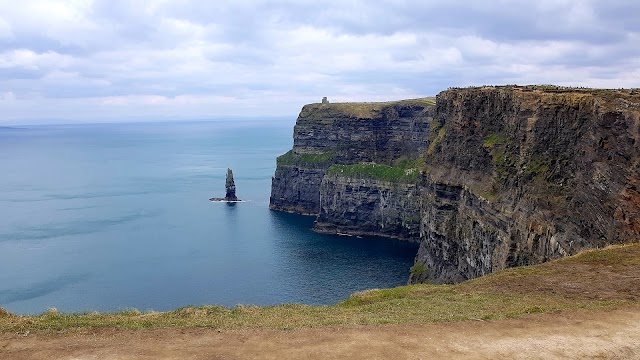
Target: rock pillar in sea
(230, 187)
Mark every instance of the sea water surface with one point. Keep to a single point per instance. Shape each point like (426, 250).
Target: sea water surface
(113, 216)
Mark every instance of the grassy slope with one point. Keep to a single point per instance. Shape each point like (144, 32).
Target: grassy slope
(594, 279)
(291, 158)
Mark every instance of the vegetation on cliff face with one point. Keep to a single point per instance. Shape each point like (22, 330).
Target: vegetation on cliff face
(376, 171)
(418, 271)
(437, 133)
(291, 158)
(605, 278)
(494, 139)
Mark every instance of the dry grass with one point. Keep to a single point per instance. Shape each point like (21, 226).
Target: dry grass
(605, 278)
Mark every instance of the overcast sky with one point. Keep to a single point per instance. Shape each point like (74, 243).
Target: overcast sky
(85, 60)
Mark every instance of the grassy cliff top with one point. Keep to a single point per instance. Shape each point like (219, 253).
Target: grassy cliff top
(605, 278)
(535, 96)
(551, 88)
(558, 93)
(363, 110)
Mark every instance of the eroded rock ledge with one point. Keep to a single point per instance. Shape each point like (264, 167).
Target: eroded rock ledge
(484, 178)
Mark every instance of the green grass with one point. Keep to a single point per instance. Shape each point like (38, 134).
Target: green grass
(407, 163)
(291, 158)
(598, 279)
(418, 270)
(537, 166)
(366, 110)
(376, 171)
(437, 132)
(494, 139)
(503, 163)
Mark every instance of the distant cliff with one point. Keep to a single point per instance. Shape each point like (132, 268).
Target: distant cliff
(347, 133)
(484, 179)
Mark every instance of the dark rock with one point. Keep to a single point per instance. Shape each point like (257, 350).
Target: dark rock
(230, 190)
(230, 187)
(369, 207)
(520, 178)
(296, 188)
(511, 176)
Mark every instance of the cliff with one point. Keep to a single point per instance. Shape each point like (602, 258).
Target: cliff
(345, 133)
(364, 205)
(530, 175)
(506, 176)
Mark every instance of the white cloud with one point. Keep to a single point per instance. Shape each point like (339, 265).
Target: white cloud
(89, 59)
(7, 96)
(28, 59)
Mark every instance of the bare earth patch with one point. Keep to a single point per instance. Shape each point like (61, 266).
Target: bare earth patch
(596, 334)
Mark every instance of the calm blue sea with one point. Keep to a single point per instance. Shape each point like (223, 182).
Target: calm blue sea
(112, 216)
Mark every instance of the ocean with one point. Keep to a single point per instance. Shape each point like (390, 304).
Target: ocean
(104, 217)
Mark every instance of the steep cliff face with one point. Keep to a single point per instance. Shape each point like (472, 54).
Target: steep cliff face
(363, 132)
(296, 187)
(462, 235)
(507, 176)
(519, 176)
(365, 206)
(345, 133)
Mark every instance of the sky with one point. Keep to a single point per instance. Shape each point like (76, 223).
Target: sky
(112, 60)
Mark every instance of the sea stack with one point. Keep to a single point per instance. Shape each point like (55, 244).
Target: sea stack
(230, 187)
(230, 190)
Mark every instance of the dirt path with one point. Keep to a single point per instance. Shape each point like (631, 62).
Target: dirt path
(576, 335)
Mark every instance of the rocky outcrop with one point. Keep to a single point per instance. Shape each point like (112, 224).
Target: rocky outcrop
(296, 188)
(230, 187)
(230, 190)
(508, 175)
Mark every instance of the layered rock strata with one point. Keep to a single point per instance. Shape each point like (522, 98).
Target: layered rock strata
(508, 175)
(345, 133)
(519, 176)
(364, 206)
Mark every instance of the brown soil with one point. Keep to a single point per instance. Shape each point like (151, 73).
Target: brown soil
(597, 334)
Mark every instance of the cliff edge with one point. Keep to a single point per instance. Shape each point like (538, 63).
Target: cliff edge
(485, 178)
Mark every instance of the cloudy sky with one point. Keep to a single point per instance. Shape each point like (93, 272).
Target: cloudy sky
(112, 60)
